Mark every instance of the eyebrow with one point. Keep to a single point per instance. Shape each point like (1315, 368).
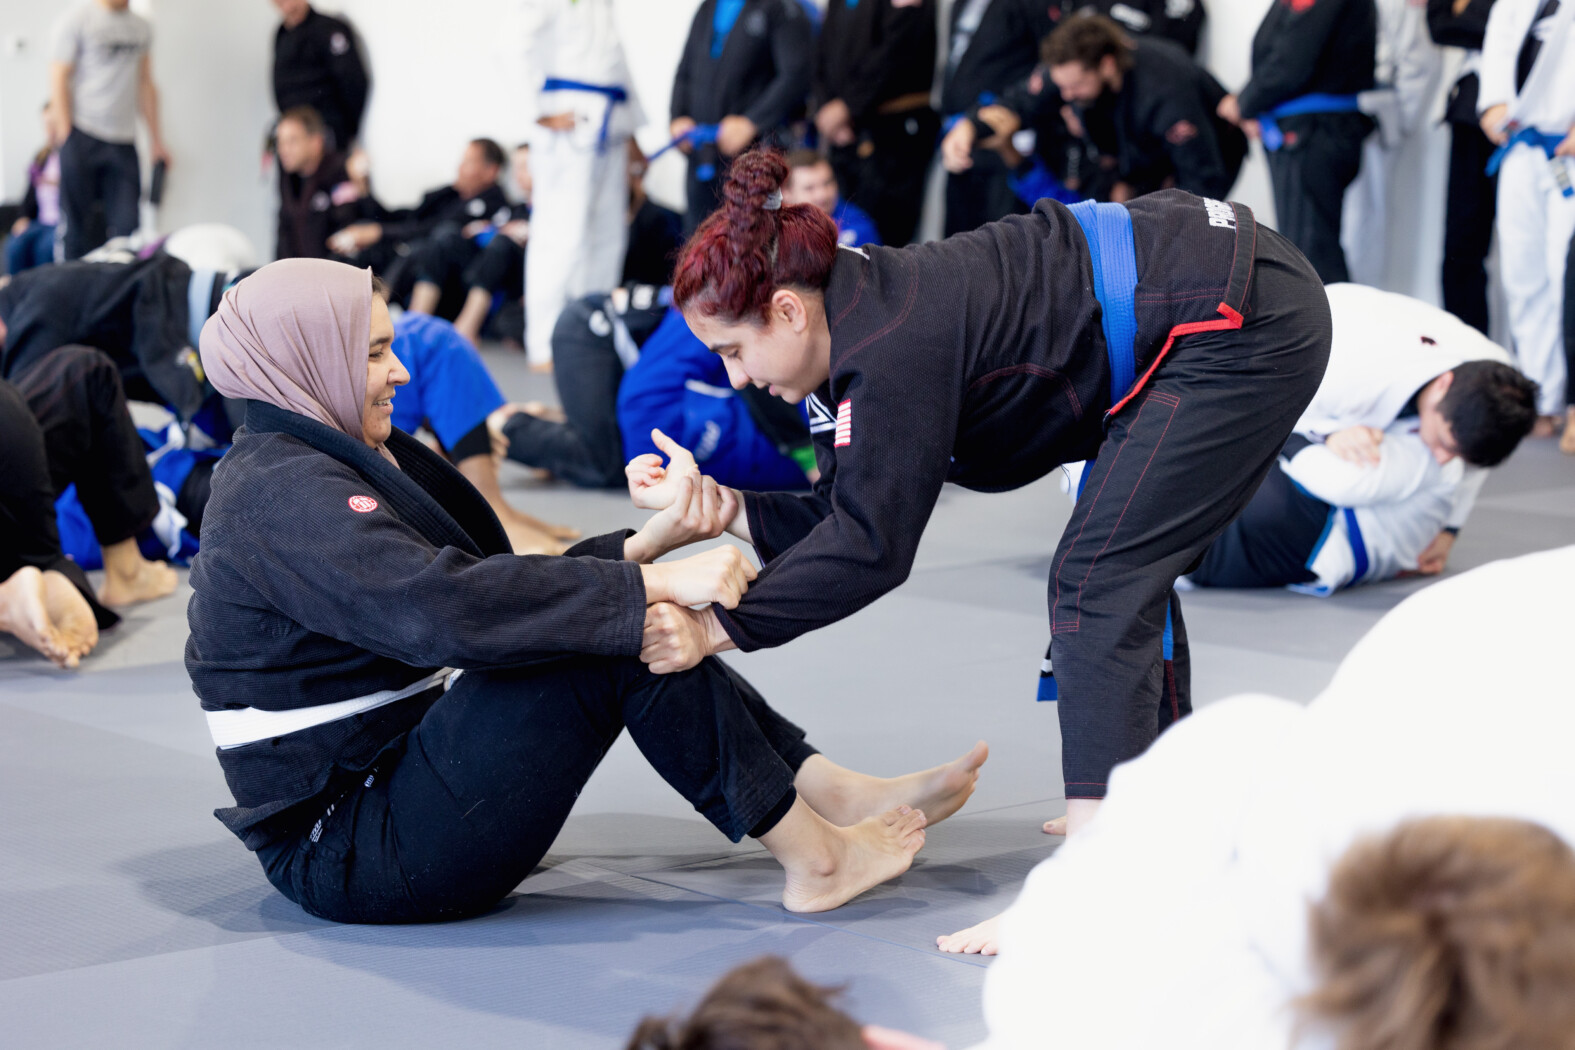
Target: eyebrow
(719, 347)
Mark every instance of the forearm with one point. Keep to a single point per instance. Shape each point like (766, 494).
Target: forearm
(739, 526)
(60, 95)
(148, 100)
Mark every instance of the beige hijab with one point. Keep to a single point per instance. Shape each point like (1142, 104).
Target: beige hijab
(295, 334)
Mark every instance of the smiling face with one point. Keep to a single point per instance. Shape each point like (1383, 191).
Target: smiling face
(384, 374)
(812, 184)
(1432, 427)
(788, 355)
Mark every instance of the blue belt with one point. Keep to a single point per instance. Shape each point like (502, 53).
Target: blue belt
(699, 135)
(612, 92)
(1269, 130)
(1108, 230)
(1353, 533)
(1529, 137)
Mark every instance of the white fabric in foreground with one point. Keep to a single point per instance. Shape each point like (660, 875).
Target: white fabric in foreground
(1178, 919)
(237, 727)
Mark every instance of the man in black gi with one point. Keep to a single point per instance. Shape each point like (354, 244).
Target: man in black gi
(871, 101)
(1311, 47)
(316, 63)
(994, 46)
(422, 252)
(747, 70)
(1157, 102)
(316, 193)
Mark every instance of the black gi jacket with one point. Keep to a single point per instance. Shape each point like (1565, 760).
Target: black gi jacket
(1463, 30)
(313, 207)
(763, 72)
(1165, 124)
(135, 312)
(1179, 21)
(442, 210)
(1306, 47)
(1003, 50)
(300, 600)
(977, 360)
(318, 64)
(874, 52)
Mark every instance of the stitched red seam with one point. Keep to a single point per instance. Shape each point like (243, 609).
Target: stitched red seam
(887, 329)
(1041, 372)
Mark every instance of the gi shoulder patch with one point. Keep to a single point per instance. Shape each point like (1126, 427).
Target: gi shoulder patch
(339, 44)
(820, 417)
(844, 424)
(363, 504)
(1181, 132)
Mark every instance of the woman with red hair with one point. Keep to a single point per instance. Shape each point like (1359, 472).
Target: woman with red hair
(1173, 338)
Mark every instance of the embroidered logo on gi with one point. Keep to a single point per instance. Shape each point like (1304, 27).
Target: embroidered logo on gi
(1181, 132)
(363, 504)
(339, 44)
(1220, 214)
(346, 193)
(844, 424)
(320, 201)
(476, 207)
(820, 417)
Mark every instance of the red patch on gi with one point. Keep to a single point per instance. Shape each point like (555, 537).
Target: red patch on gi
(363, 504)
(1182, 131)
(844, 424)
(1301, 5)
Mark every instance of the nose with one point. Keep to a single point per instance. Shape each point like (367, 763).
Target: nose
(737, 378)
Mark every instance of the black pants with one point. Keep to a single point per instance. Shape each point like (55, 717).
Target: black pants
(1178, 463)
(1270, 544)
(440, 259)
(498, 267)
(979, 195)
(453, 817)
(587, 449)
(100, 185)
(1468, 225)
(1309, 174)
(885, 170)
(1569, 326)
(65, 420)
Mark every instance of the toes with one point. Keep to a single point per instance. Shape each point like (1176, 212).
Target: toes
(892, 816)
(976, 757)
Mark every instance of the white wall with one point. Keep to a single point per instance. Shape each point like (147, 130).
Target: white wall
(25, 44)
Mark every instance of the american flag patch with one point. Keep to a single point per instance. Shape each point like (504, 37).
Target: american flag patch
(844, 424)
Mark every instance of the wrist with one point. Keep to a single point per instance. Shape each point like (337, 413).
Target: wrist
(656, 585)
(639, 549)
(715, 636)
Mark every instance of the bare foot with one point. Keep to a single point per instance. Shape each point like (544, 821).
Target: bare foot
(29, 600)
(983, 939)
(541, 367)
(527, 540)
(130, 578)
(1544, 427)
(1567, 442)
(1055, 826)
(852, 860)
(845, 797)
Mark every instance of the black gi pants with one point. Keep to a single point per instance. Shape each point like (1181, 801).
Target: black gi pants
(100, 185)
(1569, 326)
(1468, 225)
(885, 170)
(440, 259)
(456, 813)
(980, 195)
(1178, 463)
(587, 450)
(1309, 174)
(499, 267)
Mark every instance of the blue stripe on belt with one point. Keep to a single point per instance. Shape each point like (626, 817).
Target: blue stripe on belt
(1542, 140)
(1269, 129)
(612, 92)
(1108, 230)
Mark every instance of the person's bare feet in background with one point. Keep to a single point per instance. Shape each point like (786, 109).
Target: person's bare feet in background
(48, 614)
(130, 578)
(1567, 442)
(527, 534)
(846, 797)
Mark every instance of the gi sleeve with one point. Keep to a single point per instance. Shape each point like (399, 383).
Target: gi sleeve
(1186, 128)
(792, 53)
(1401, 468)
(372, 581)
(906, 24)
(1500, 48)
(778, 520)
(683, 103)
(1463, 30)
(352, 84)
(1304, 33)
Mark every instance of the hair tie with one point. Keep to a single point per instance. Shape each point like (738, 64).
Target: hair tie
(773, 201)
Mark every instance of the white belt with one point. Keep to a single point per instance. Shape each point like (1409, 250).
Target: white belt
(235, 727)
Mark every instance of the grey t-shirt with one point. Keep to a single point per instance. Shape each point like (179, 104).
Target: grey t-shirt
(106, 49)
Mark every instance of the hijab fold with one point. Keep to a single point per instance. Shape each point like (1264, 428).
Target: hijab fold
(296, 334)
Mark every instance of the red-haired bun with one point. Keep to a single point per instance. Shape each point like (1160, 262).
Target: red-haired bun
(744, 251)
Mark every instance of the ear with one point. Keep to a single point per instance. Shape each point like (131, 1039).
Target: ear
(1442, 383)
(789, 307)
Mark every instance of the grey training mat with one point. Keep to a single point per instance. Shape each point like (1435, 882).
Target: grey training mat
(129, 917)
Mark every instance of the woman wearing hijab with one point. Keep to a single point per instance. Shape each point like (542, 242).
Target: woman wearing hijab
(346, 570)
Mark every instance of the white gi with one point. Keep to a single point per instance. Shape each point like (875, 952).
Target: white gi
(1179, 919)
(1407, 75)
(579, 219)
(1535, 220)
(1396, 508)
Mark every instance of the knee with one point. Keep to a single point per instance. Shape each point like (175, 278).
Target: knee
(85, 364)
